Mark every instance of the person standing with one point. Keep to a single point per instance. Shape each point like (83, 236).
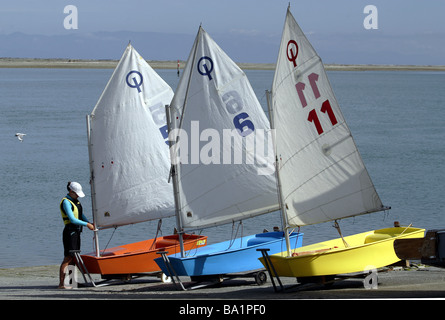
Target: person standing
(74, 220)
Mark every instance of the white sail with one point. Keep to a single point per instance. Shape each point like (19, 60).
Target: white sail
(322, 174)
(130, 157)
(226, 172)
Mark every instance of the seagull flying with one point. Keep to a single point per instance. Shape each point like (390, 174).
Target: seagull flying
(20, 136)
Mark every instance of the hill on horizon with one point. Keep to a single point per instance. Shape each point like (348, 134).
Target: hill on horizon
(359, 48)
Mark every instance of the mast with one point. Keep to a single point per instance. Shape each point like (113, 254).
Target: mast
(174, 176)
(93, 192)
(174, 165)
(190, 77)
(277, 175)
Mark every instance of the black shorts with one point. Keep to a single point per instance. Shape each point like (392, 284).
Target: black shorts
(71, 239)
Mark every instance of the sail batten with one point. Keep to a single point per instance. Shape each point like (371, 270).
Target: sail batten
(129, 155)
(323, 176)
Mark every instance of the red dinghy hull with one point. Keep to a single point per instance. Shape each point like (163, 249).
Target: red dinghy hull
(138, 257)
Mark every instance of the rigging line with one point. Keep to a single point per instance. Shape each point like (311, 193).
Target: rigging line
(283, 216)
(115, 228)
(242, 233)
(153, 244)
(186, 95)
(233, 236)
(262, 98)
(406, 229)
(190, 77)
(337, 226)
(194, 247)
(296, 238)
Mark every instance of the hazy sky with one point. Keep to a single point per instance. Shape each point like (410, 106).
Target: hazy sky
(340, 21)
(247, 16)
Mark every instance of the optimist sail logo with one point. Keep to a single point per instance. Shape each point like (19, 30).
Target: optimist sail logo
(134, 80)
(292, 52)
(205, 67)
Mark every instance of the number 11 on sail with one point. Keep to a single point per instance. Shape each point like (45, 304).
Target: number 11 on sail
(325, 107)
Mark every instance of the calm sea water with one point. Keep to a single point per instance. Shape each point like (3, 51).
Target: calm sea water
(397, 119)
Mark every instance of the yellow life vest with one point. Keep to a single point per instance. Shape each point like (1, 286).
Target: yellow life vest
(65, 218)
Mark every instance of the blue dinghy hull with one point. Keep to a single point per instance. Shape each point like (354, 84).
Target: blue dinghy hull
(232, 256)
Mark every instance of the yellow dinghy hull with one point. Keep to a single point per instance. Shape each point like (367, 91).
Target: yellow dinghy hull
(365, 251)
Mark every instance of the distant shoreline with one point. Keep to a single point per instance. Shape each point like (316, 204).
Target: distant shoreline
(111, 64)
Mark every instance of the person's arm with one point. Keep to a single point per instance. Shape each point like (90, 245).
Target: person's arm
(70, 214)
(89, 224)
(84, 218)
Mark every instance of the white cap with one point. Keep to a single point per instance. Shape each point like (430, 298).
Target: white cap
(77, 188)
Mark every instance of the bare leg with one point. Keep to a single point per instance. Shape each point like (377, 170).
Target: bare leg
(65, 263)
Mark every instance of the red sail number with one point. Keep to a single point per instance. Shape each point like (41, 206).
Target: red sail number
(325, 107)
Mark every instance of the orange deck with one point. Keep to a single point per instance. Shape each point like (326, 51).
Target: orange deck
(139, 257)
